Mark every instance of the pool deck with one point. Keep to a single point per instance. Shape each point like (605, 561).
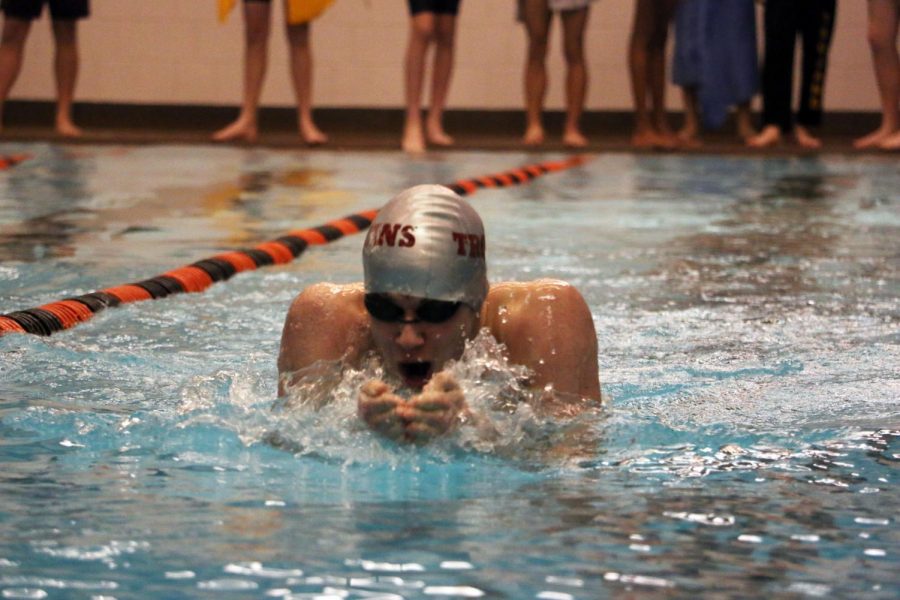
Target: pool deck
(379, 129)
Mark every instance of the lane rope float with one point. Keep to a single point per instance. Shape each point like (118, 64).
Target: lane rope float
(11, 160)
(196, 277)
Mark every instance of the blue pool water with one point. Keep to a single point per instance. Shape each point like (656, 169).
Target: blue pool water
(748, 318)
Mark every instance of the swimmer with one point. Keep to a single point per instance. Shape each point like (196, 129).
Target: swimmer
(425, 294)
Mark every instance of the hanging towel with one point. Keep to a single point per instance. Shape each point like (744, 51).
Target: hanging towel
(298, 11)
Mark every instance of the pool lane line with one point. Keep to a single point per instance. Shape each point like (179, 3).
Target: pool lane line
(11, 160)
(196, 277)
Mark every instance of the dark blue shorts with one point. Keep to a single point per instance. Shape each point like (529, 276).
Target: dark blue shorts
(438, 7)
(63, 10)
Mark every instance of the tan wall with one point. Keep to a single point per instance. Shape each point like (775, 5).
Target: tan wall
(174, 52)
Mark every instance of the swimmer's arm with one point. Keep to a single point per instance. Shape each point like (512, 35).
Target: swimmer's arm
(325, 325)
(566, 352)
(549, 329)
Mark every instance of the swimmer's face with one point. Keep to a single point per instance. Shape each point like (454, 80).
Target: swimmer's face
(416, 337)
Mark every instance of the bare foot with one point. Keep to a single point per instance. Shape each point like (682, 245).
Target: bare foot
(312, 135)
(744, 124)
(667, 139)
(891, 143)
(534, 135)
(647, 138)
(238, 130)
(768, 137)
(438, 137)
(690, 142)
(574, 139)
(872, 140)
(805, 139)
(413, 140)
(67, 128)
(644, 139)
(745, 131)
(689, 137)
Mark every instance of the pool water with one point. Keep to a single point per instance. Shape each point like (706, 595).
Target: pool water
(748, 318)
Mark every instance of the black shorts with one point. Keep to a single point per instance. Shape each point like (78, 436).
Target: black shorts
(63, 10)
(438, 7)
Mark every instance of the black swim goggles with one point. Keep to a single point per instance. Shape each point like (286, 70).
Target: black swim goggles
(386, 310)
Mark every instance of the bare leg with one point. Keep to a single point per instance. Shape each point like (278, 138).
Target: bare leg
(643, 62)
(884, 16)
(301, 76)
(689, 135)
(537, 25)
(256, 41)
(15, 32)
(444, 39)
(637, 62)
(663, 13)
(573, 24)
(65, 66)
(891, 142)
(745, 129)
(421, 33)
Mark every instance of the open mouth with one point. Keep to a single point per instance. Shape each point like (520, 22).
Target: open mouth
(415, 374)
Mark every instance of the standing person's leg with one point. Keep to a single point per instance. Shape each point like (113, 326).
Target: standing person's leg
(537, 17)
(688, 59)
(301, 76)
(689, 134)
(12, 45)
(643, 136)
(744, 121)
(817, 25)
(65, 67)
(444, 42)
(256, 41)
(884, 18)
(778, 72)
(643, 68)
(421, 34)
(65, 15)
(741, 21)
(574, 23)
(664, 11)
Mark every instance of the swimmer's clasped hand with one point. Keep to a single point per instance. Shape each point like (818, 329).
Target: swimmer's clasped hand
(377, 407)
(438, 410)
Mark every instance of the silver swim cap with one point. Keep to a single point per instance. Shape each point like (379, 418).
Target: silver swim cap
(427, 242)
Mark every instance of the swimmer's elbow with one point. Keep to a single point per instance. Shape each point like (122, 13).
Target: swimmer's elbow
(310, 386)
(562, 404)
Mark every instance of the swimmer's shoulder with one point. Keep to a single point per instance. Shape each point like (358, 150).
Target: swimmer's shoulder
(513, 304)
(330, 298)
(333, 310)
(517, 294)
(325, 324)
(547, 326)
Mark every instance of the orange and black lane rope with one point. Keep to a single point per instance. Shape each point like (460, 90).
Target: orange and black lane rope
(196, 277)
(512, 177)
(11, 160)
